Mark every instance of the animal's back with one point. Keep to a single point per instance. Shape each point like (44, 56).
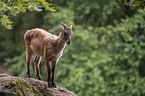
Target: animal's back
(35, 39)
(39, 34)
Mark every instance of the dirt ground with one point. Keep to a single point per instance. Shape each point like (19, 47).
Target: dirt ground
(3, 69)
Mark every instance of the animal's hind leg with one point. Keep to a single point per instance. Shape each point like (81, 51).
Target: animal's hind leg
(36, 62)
(29, 55)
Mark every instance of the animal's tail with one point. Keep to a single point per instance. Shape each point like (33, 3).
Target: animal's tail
(29, 35)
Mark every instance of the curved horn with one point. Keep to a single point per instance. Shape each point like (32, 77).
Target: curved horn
(64, 25)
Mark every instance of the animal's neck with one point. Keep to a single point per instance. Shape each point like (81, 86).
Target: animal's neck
(61, 42)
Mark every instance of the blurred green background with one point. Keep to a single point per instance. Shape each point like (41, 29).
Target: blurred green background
(107, 54)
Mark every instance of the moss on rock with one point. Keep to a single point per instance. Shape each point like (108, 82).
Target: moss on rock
(17, 86)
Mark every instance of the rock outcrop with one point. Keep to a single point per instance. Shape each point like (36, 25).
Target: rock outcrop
(17, 86)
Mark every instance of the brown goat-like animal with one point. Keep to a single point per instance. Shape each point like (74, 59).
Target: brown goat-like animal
(50, 47)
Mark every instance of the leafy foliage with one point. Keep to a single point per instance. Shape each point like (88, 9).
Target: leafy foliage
(107, 54)
(13, 7)
(139, 3)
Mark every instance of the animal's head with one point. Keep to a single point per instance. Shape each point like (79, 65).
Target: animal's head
(67, 32)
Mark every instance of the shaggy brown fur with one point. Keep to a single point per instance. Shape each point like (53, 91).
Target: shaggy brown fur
(50, 47)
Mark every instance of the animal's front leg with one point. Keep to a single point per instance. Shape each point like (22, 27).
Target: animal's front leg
(54, 63)
(49, 73)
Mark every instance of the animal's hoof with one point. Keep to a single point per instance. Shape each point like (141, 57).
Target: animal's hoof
(54, 85)
(39, 78)
(29, 76)
(50, 85)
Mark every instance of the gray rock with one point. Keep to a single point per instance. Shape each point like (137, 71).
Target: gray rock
(17, 86)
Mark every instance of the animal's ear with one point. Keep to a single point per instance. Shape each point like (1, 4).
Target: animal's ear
(61, 28)
(65, 26)
(71, 26)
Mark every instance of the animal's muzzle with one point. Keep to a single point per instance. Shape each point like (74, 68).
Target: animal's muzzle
(68, 42)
